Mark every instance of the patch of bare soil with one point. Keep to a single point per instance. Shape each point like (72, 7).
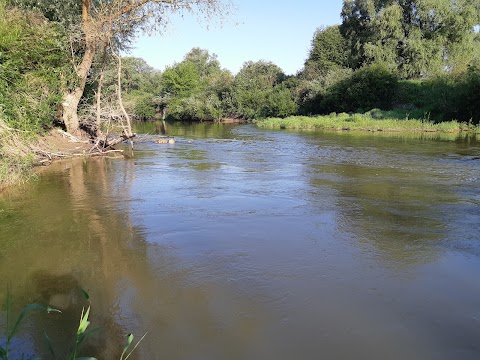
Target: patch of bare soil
(57, 144)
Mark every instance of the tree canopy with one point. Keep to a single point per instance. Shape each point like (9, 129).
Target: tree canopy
(328, 52)
(383, 52)
(415, 37)
(108, 25)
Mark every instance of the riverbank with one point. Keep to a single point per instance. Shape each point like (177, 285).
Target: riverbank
(364, 122)
(20, 152)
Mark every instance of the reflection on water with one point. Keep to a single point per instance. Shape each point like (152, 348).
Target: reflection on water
(192, 130)
(239, 243)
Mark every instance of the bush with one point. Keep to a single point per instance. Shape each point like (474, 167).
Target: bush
(141, 105)
(469, 102)
(32, 61)
(371, 87)
(444, 97)
(279, 103)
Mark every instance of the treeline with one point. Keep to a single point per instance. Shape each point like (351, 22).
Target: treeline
(198, 89)
(417, 57)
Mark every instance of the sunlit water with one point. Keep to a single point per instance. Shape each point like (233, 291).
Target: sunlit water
(240, 243)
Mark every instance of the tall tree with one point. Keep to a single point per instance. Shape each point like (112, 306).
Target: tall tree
(197, 87)
(256, 86)
(416, 37)
(328, 51)
(103, 22)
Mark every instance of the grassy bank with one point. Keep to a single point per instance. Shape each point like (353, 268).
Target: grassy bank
(14, 170)
(371, 121)
(16, 158)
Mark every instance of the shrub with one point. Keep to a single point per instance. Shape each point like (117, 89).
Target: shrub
(279, 103)
(444, 97)
(32, 61)
(141, 105)
(371, 87)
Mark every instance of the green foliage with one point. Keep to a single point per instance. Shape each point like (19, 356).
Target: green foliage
(129, 341)
(12, 329)
(139, 82)
(444, 97)
(181, 80)
(470, 99)
(66, 12)
(279, 102)
(136, 75)
(33, 62)
(364, 122)
(197, 88)
(81, 335)
(141, 104)
(309, 93)
(370, 87)
(415, 37)
(328, 52)
(206, 64)
(14, 169)
(257, 91)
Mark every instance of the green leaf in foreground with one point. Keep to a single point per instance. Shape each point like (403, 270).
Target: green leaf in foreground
(127, 345)
(23, 314)
(50, 345)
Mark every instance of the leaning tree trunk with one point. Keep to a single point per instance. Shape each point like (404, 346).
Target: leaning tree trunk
(72, 97)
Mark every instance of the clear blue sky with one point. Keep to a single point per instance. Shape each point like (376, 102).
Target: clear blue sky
(278, 31)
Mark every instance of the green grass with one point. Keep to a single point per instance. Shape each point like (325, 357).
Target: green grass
(14, 170)
(375, 120)
(16, 158)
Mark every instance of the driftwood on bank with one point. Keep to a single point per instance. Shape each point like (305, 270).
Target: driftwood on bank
(102, 114)
(45, 153)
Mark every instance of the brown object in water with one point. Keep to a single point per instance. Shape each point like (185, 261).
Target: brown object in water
(165, 141)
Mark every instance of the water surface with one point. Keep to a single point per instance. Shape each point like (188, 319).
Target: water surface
(240, 243)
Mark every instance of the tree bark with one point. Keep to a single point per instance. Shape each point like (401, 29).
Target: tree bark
(98, 121)
(127, 129)
(72, 97)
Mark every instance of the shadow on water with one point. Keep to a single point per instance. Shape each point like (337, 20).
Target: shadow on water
(69, 233)
(185, 129)
(396, 211)
(72, 229)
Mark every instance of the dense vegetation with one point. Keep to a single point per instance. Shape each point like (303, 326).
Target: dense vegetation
(421, 58)
(412, 58)
(33, 68)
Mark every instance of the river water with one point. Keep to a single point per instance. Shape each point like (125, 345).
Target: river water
(240, 243)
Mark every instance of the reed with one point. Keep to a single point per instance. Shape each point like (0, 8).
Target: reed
(82, 334)
(13, 327)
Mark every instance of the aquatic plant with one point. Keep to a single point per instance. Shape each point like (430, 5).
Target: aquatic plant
(12, 330)
(81, 335)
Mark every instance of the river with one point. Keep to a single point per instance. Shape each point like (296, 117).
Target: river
(240, 243)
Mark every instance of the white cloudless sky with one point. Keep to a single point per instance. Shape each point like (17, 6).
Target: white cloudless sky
(272, 30)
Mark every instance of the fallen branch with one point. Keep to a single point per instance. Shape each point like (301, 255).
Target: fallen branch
(71, 137)
(119, 140)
